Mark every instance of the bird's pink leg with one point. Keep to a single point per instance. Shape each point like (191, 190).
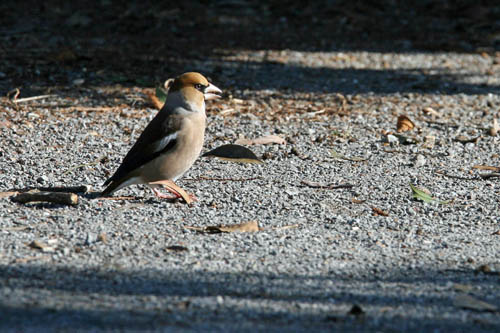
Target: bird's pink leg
(161, 195)
(175, 195)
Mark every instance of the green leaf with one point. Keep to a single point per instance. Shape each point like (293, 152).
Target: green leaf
(161, 94)
(421, 195)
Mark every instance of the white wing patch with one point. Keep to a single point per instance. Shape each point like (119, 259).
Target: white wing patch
(166, 140)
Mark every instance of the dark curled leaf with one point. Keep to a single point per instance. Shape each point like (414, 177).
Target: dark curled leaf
(234, 153)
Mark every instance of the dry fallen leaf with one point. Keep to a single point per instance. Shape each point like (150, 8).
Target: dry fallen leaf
(490, 269)
(176, 248)
(41, 246)
(157, 104)
(264, 140)
(495, 128)
(250, 226)
(102, 237)
(160, 95)
(37, 245)
(430, 111)
(404, 124)
(377, 211)
(471, 303)
(234, 153)
(463, 139)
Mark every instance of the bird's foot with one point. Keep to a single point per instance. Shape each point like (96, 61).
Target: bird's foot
(161, 195)
(193, 197)
(175, 194)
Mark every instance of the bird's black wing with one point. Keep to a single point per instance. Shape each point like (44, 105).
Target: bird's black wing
(159, 137)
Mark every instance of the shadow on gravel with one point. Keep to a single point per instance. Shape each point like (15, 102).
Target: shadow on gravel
(42, 296)
(281, 77)
(53, 44)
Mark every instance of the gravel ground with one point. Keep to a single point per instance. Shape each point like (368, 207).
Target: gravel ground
(365, 258)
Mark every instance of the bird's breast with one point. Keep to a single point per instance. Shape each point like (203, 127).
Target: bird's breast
(174, 164)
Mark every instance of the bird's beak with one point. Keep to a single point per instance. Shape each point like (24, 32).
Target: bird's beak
(212, 92)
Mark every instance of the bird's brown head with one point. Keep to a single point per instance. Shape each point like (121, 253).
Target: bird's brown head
(194, 88)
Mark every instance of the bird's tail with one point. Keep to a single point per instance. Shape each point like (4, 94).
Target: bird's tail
(116, 184)
(113, 186)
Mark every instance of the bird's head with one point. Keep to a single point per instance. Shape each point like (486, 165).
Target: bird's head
(193, 88)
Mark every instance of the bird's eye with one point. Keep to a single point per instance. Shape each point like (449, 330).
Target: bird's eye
(199, 87)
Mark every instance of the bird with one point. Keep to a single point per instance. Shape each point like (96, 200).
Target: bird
(172, 141)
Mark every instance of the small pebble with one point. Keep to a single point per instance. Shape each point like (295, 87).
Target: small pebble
(420, 161)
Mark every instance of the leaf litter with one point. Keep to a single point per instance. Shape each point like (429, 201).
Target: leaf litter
(249, 226)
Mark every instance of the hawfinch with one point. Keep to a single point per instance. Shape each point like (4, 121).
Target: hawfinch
(172, 141)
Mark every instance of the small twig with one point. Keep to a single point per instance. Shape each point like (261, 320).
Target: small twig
(129, 206)
(223, 179)
(315, 113)
(456, 177)
(97, 161)
(92, 109)
(334, 187)
(352, 159)
(285, 227)
(395, 151)
(24, 227)
(325, 186)
(226, 111)
(441, 123)
(489, 175)
(462, 139)
(8, 194)
(30, 258)
(27, 99)
(487, 167)
(119, 198)
(70, 189)
(200, 229)
(62, 198)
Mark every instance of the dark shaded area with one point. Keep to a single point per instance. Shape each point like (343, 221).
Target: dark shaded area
(139, 43)
(183, 311)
